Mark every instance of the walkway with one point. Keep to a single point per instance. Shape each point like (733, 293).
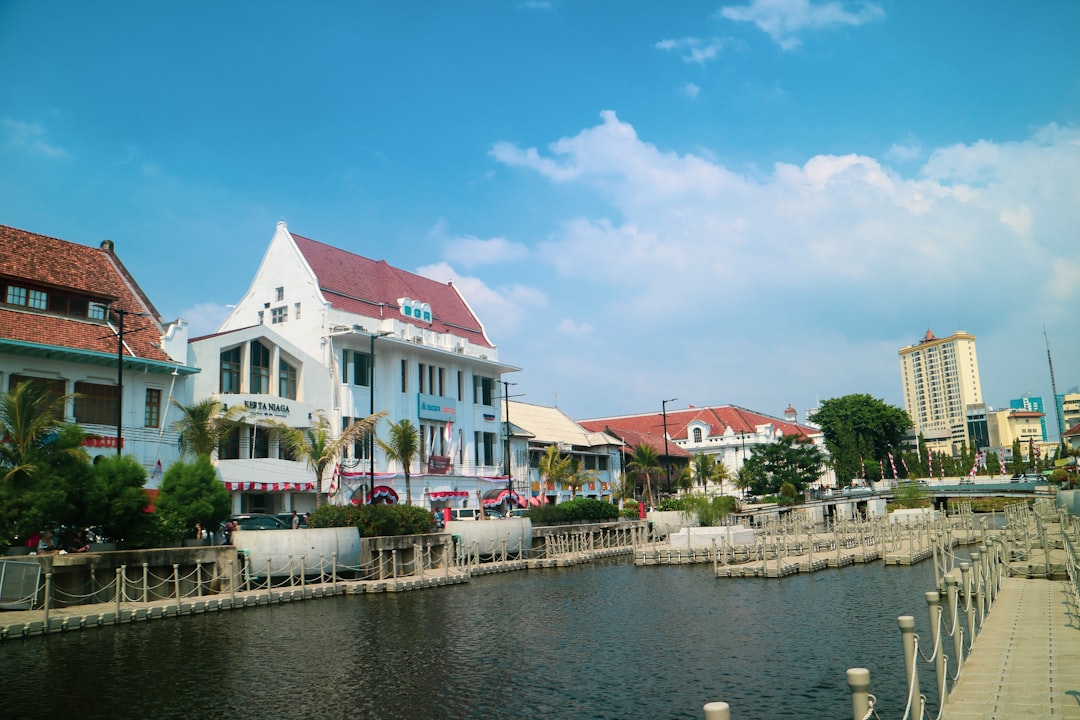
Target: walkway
(1025, 662)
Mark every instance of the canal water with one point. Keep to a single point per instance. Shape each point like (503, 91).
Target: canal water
(606, 640)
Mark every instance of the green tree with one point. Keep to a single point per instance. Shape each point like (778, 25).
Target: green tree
(554, 467)
(788, 460)
(644, 464)
(403, 446)
(191, 493)
(120, 501)
(319, 445)
(857, 428)
(577, 476)
(204, 425)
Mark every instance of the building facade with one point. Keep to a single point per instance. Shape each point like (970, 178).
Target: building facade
(726, 432)
(74, 320)
(1031, 403)
(350, 336)
(940, 378)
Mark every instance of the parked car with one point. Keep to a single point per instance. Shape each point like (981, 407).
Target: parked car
(286, 518)
(257, 521)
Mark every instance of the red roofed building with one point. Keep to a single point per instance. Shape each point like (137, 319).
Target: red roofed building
(63, 309)
(727, 432)
(323, 329)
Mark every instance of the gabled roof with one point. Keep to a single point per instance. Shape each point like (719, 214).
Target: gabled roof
(94, 273)
(717, 418)
(551, 425)
(373, 288)
(633, 438)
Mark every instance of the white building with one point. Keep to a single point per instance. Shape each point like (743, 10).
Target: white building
(74, 320)
(323, 329)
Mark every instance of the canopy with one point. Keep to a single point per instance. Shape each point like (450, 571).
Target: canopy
(494, 498)
(270, 487)
(448, 494)
(383, 494)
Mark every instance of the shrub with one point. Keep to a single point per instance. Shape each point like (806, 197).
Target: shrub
(630, 509)
(578, 509)
(375, 520)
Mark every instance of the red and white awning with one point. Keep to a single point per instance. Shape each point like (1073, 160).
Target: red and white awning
(448, 494)
(270, 487)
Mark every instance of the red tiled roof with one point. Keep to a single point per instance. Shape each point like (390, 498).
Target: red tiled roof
(718, 418)
(372, 288)
(94, 272)
(633, 438)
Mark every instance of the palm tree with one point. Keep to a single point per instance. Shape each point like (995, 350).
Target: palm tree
(204, 425)
(720, 473)
(577, 476)
(702, 467)
(29, 425)
(318, 445)
(554, 466)
(403, 447)
(644, 462)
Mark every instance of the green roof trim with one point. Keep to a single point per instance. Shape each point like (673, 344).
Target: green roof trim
(92, 357)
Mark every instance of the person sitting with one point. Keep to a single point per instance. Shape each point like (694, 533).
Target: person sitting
(79, 544)
(47, 545)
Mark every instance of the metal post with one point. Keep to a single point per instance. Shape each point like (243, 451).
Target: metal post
(911, 659)
(858, 680)
(667, 458)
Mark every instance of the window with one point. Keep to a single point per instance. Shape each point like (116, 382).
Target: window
(420, 388)
(279, 315)
(229, 382)
(296, 311)
(485, 448)
(260, 368)
(38, 300)
(152, 416)
(286, 380)
(53, 389)
(404, 376)
(360, 448)
(229, 447)
(97, 311)
(460, 386)
(16, 295)
(483, 390)
(361, 369)
(258, 442)
(96, 404)
(279, 294)
(260, 317)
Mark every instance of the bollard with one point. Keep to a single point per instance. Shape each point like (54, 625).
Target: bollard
(911, 660)
(119, 590)
(232, 581)
(269, 594)
(333, 571)
(48, 596)
(965, 572)
(198, 577)
(303, 572)
(393, 561)
(176, 584)
(717, 711)
(292, 576)
(145, 584)
(933, 601)
(858, 679)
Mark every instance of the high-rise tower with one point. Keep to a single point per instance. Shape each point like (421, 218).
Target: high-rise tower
(940, 379)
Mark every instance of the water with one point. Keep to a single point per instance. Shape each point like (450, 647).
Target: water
(606, 640)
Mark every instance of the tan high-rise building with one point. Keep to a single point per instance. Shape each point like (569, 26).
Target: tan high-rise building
(940, 379)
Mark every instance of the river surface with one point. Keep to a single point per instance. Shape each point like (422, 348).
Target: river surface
(606, 640)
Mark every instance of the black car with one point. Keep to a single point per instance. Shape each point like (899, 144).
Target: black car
(257, 521)
(287, 519)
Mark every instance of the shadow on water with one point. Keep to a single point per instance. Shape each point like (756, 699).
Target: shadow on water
(607, 641)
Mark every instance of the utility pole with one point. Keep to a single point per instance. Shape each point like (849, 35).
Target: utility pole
(667, 458)
(1053, 388)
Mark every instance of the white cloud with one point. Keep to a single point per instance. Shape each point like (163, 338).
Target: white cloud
(691, 90)
(692, 265)
(574, 328)
(783, 20)
(500, 308)
(691, 49)
(472, 251)
(906, 151)
(31, 137)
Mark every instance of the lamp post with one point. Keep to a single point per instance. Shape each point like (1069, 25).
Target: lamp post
(120, 373)
(371, 395)
(667, 459)
(509, 477)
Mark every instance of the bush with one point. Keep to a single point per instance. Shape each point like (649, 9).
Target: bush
(709, 511)
(578, 509)
(375, 520)
(631, 509)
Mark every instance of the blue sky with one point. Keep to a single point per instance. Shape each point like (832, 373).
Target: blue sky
(754, 202)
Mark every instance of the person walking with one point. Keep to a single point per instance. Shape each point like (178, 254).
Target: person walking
(295, 521)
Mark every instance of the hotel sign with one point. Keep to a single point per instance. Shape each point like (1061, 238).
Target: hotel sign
(433, 407)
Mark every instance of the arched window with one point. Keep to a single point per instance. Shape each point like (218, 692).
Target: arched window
(697, 435)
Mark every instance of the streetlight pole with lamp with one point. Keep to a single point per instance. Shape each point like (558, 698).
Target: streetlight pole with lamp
(667, 459)
(509, 477)
(120, 315)
(371, 395)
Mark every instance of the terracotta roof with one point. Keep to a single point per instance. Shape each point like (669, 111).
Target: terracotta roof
(1074, 430)
(633, 438)
(372, 288)
(718, 418)
(90, 272)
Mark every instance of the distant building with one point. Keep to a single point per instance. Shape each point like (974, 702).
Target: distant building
(726, 432)
(1007, 426)
(976, 417)
(940, 378)
(1069, 408)
(74, 320)
(1032, 404)
(323, 329)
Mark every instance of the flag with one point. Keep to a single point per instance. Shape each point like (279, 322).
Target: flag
(903, 463)
(446, 432)
(892, 464)
(930, 462)
(1001, 461)
(157, 469)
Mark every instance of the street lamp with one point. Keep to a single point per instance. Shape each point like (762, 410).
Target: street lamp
(371, 395)
(506, 462)
(667, 459)
(120, 372)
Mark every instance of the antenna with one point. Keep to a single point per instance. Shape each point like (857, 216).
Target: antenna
(1053, 387)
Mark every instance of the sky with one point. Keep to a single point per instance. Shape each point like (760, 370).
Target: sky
(754, 202)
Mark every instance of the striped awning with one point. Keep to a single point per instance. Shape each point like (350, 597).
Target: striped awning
(270, 487)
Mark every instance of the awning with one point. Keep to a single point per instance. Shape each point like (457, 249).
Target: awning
(493, 498)
(448, 494)
(383, 494)
(270, 487)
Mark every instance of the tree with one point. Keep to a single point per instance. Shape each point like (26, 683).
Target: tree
(554, 467)
(707, 470)
(204, 425)
(319, 446)
(788, 460)
(403, 446)
(120, 501)
(644, 463)
(577, 476)
(191, 493)
(859, 428)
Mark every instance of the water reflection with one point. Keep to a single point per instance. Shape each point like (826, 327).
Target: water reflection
(602, 641)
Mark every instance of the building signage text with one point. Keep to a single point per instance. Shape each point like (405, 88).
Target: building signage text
(433, 407)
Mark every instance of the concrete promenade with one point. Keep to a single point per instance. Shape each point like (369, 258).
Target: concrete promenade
(1026, 661)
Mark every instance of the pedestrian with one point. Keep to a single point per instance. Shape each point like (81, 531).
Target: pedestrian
(198, 531)
(295, 521)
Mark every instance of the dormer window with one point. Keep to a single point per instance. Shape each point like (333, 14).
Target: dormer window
(697, 435)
